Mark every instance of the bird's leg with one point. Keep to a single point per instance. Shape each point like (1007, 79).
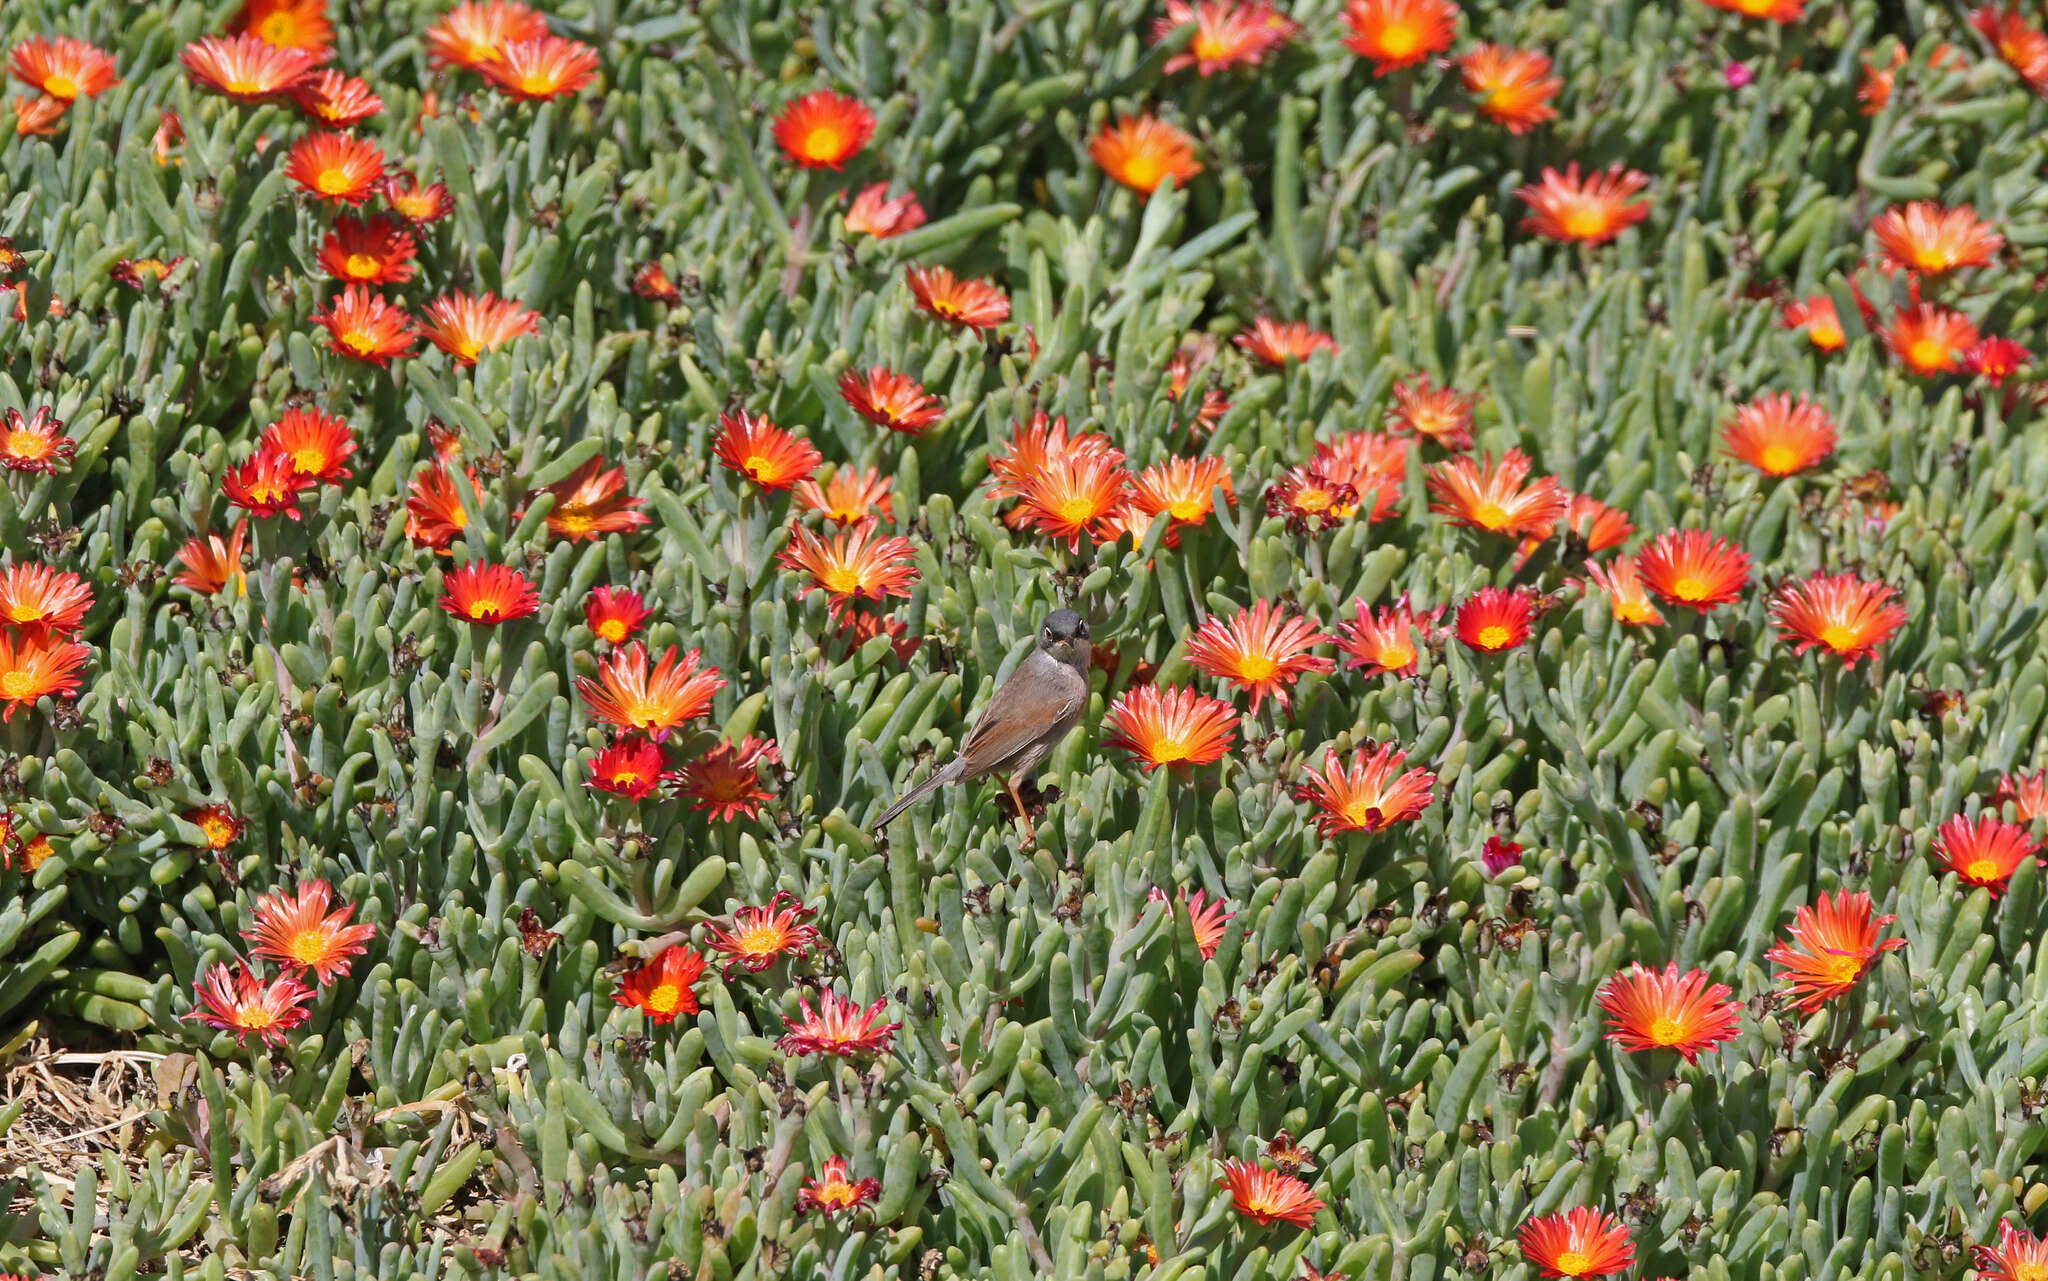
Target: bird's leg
(1030, 832)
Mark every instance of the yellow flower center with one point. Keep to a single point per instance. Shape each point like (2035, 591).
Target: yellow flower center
(362, 266)
(2028, 1271)
(1779, 460)
(1493, 636)
(309, 460)
(25, 612)
(824, 142)
(1166, 749)
(1926, 353)
(761, 940)
(1143, 170)
(1397, 653)
(1400, 40)
(59, 85)
(1689, 589)
(612, 629)
(1208, 46)
(218, 831)
(841, 580)
(1636, 612)
(468, 348)
(1189, 508)
(1932, 258)
(1666, 1031)
(308, 947)
(665, 998)
(1838, 638)
(1361, 811)
(18, 686)
(1826, 335)
(333, 181)
(1076, 509)
(1584, 222)
(412, 208)
(245, 84)
(537, 83)
(278, 28)
(36, 851)
(254, 1017)
(1981, 870)
(1256, 667)
(1313, 500)
(26, 444)
(1573, 1264)
(1844, 970)
(1490, 515)
(627, 778)
(838, 1194)
(574, 521)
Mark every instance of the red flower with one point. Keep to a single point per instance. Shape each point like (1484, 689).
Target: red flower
(1693, 568)
(892, 400)
(488, 594)
(366, 326)
(758, 937)
(211, 564)
(832, 1192)
(1779, 435)
(1275, 343)
(416, 204)
(1205, 918)
(2028, 794)
(1439, 413)
(615, 614)
(1494, 619)
(969, 304)
(1394, 34)
(335, 166)
(1578, 1243)
(376, 252)
(1311, 499)
(63, 68)
(1267, 1197)
(839, 1026)
(289, 24)
(725, 782)
(232, 999)
(855, 565)
(632, 768)
(1261, 650)
(1831, 947)
(592, 502)
(1514, 86)
(1172, 726)
(39, 601)
(1818, 317)
(1228, 33)
(267, 483)
(1927, 239)
(473, 34)
(35, 445)
(664, 987)
(1074, 496)
(1384, 641)
(1997, 359)
(1370, 795)
(1840, 613)
(300, 934)
(335, 100)
(764, 453)
(37, 667)
(1930, 340)
(1665, 1010)
(1143, 151)
(1985, 852)
(2019, 1255)
(2022, 45)
(317, 444)
(626, 694)
(873, 212)
(824, 130)
(847, 497)
(434, 514)
(1479, 495)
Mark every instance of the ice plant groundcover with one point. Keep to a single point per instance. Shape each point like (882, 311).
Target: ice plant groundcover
(498, 499)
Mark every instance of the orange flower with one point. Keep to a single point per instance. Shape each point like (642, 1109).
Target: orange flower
(466, 327)
(2022, 45)
(2018, 1256)
(335, 100)
(652, 283)
(37, 667)
(764, 453)
(300, 934)
(318, 445)
(1664, 1010)
(1514, 86)
(1594, 524)
(854, 566)
(758, 937)
(665, 986)
(1818, 317)
(1267, 1197)
(1370, 795)
(35, 852)
(1373, 464)
(376, 252)
(1830, 948)
(1394, 34)
(839, 1026)
(1930, 340)
(335, 166)
(1693, 568)
(289, 24)
(629, 696)
(846, 497)
(37, 444)
(136, 273)
(1479, 495)
(1494, 619)
(1311, 499)
(824, 130)
(892, 400)
(1774, 10)
(615, 614)
(266, 483)
(1174, 726)
(488, 594)
(1876, 89)
(1075, 495)
(1261, 650)
(1275, 343)
(1205, 918)
(1626, 595)
(858, 627)
(40, 601)
(434, 514)
(874, 213)
(1986, 852)
(1384, 641)
(416, 204)
(1034, 447)
(2028, 794)
(37, 116)
(232, 999)
(1926, 239)
(210, 564)
(1837, 612)
(1580, 1242)
(474, 35)
(63, 68)
(632, 768)
(970, 304)
(1439, 413)
(726, 781)
(1228, 33)
(366, 326)
(1182, 488)
(1143, 151)
(542, 68)
(218, 824)
(832, 1192)
(593, 502)
(1779, 435)
(1564, 206)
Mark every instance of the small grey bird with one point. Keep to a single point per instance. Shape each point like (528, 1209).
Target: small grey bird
(1029, 715)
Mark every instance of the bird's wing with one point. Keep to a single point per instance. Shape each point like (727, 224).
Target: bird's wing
(1021, 713)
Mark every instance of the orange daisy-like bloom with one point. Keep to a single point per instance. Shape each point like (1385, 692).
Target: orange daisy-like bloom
(300, 934)
(38, 600)
(1818, 317)
(823, 129)
(1514, 86)
(1170, 726)
(1383, 641)
(1479, 495)
(1985, 852)
(2028, 794)
(1626, 595)
(63, 68)
(1370, 795)
(221, 826)
(1075, 495)
(892, 400)
(1261, 650)
(1439, 413)
(1373, 464)
(855, 565)
(1928, 240)
(652, 283)
(243, 67)
(760, 936)
(615, 614)
(1267, 1197)
(764, 453)
(1581, 1242)
(628, 695)
(1665, 1010)
(1930, 340)
(35, 444)
(232, 999)
(665, 986)
(725, 782)
(266, 483)
(1693, 568)
(1592, 522)
(632, 768)
(416, 204)
(1311, 499)
(289, 24)
(1034, 447)
(969, 304)
(37, 116)
(593, 502)
(1779, 435)
(1275, 343)
(377, 252)
(2018, 1256)
(337, 101)
(36, 667)
(364, 325)
(466, 327)
(1143, 151)
(1830, 948)
(434, 514)
(536, 70)
(1495, 619)
(832, 1192)
(488, 594)
(839, 1026)
(1228, 33)
(1393, 34)
(335, 166)
(2022, 45)
(1593, 210)
(1182, 488)
(1837, 612)
(846, 497)
(474, 35)
(1206, 918)
(875, 213)
(317, 444)
(211, 564)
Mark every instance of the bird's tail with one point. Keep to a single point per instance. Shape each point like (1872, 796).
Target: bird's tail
(939, 779)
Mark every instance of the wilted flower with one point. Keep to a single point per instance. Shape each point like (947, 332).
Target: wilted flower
(1779, 435)
(1840, 613)
(1373, 465)
(366, 326)
(1581, 1242)
(889, 399)
(1180, 371)
(244, 67)
(170, 131)
(1228, 33)
(632, 767)
(1383, 641)
(221, 826)
(1591, 210)
(875, 213)
(63, 68)
(1476, 493)
(1143, 151)
(969, 304)
(1267, 1197)
(823, 129)
(335, 100)
(652, 283)
(1393, 34)
(1985, 852)
(855, 565)
(1170, 726)
(38, 600)
(626, 694)
(1650, 1009)
(1929, 339)
(266, 483)
(36, 115)
(1495, 619)
(539, 69)
(1514, 86)
(663, 987)
(839, 1026)
(592, 502)
(211, 564)
(1206, 918)
(317, 444)
(37, 444)
(35, 667)
(764, 453)
(832, 1192)
(376, 252)
(232, 999)
(138, 273)
(1261, 650)
(474, 35)
(1274, 343)
(301, 935)
(1310, 499)
(846, 497)
(1830, 948)
(1370, 794)
(466, 327)
(725, 782)
(488, 594)
(758, 937)
(1693, 568)
(1499, 855)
